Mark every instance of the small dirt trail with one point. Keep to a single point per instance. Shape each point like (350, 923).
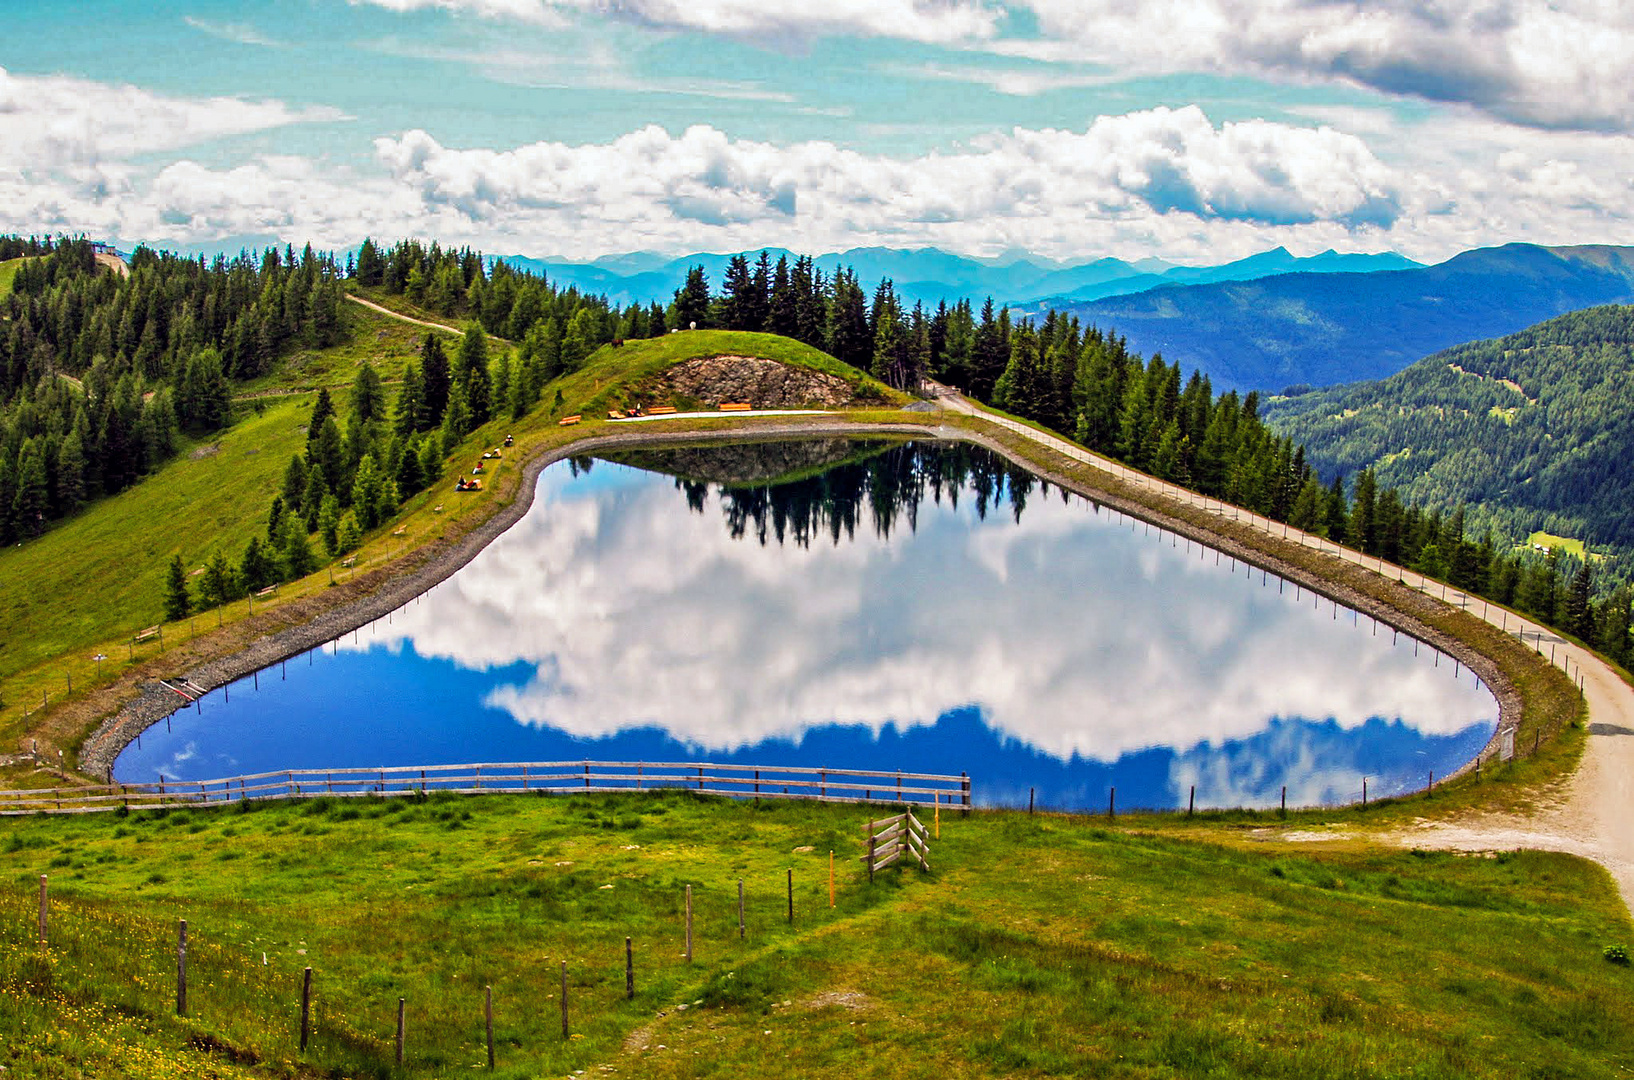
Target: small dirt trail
(399, 316)
(390, 314)
(1591, 814)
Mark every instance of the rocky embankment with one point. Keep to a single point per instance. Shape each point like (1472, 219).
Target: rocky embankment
(765, 384)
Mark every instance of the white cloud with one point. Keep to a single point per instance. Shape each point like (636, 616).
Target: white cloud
(1016, 82)
(59, 122)
(237, 33)
(1154, 163)
(941, 21)
(77, 155)
(1549, 63)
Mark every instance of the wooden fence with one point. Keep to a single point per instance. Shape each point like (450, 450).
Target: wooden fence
(512, 778)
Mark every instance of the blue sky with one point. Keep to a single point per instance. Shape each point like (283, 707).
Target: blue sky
(1192, 130)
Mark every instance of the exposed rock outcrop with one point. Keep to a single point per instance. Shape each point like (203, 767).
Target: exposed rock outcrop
(765, 384)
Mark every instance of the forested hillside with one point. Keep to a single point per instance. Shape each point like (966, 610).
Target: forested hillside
(1533, 431)
(1324, 329)
(101, 373)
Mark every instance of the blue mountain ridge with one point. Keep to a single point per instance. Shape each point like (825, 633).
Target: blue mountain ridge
(933, 276)
(1313, 329)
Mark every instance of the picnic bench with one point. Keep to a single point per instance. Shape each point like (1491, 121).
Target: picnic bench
(569, 421)
(735, 406)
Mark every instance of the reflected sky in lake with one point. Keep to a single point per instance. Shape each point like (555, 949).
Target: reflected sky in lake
(910, 608)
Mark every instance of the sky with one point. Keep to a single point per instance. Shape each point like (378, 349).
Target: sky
(1195, 131)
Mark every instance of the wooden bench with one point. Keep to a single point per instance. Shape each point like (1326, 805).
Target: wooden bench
(400, 531)
(614, 414)
(350, 561)
(660, 410)
(736, 406)
(568, 421)
(268, 591)
(146, 635)
(437, 509)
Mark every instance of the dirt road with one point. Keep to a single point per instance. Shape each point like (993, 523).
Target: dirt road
(1593, 813)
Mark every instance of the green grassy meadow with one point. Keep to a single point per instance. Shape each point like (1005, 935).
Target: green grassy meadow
(8, 271)
(1040, 946)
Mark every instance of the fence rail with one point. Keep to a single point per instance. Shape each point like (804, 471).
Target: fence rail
(519, 778)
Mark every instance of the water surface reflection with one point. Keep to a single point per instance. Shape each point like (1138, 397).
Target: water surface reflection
(892, 606)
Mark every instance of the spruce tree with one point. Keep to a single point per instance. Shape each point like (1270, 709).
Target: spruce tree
(176, 601)
(435, 380)
(368, 395)
(692, 301)
(329, 524)
(472, 375)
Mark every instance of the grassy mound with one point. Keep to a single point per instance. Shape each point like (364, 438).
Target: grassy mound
(613, 377)
(1040, 946)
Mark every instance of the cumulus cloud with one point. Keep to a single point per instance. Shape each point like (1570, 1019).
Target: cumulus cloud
(78, 155)
(941, 21)
(1160, 161)
(1549, 63)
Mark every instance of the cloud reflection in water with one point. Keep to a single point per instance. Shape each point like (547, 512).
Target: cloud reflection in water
(1060, 648)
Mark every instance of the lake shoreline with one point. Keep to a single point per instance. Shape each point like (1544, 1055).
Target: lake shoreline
(438, 562)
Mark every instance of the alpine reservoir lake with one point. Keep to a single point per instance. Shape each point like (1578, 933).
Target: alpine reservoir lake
(847, 604)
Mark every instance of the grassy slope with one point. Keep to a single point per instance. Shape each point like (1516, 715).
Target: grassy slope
(8, 271)
(100, 573)
(1041, 946)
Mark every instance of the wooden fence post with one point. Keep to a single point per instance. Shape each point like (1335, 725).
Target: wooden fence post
(1191, 801)
(1112, 803)
(870, 858)
(689, 924)
(306, 1007)
(831, 880)
(488, 1017)
(1030, 793)
(181, 968)
(791, 896)
(964, 791)
(402, 1008)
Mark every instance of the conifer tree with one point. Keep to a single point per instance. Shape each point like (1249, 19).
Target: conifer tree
(176, 600)
(436, 380)
(472, 375)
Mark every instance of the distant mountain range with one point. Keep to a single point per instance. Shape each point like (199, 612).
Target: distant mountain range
(1322, 329)
(1532, 430)
(933, 276)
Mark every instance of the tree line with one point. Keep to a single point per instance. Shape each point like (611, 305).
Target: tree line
(101, 374)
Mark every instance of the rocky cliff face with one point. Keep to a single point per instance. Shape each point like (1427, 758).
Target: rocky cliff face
(765, 384)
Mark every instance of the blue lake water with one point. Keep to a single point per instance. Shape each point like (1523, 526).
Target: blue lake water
(854, 605)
